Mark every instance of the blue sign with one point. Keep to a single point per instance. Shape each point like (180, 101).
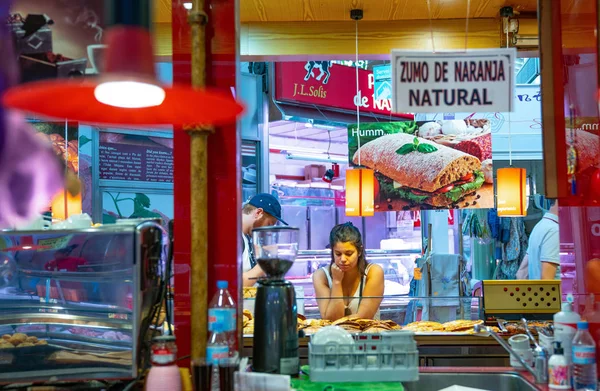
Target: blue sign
(382, 75)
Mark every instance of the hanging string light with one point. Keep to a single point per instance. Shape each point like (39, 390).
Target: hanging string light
(360, 181)
(511, 182)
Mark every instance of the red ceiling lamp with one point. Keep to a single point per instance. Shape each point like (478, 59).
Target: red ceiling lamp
(126, 93)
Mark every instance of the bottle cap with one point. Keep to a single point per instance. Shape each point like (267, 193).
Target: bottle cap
(583, 325)
(558, 349)
(222, 284)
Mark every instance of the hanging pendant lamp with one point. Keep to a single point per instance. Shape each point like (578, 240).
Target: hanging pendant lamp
(127, 92)
(360, 181)
(360, 192)
(511, 186)
(511, 182)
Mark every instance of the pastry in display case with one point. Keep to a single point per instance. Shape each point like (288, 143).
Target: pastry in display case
(80, 304)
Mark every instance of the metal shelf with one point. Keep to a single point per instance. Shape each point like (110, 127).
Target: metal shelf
(63, 320)
(125, 275)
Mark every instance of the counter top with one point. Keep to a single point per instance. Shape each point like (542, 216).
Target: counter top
(423, 340)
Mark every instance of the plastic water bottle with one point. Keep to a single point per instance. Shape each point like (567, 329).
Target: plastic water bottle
(222, 311)
(216, 349)
(584, 360)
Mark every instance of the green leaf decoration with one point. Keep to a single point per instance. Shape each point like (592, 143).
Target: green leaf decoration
(142, 199)
(416, 141)
(83, 140)
(406, 148)
(426, 148)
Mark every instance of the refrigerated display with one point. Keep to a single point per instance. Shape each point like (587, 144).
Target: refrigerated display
(79, 304)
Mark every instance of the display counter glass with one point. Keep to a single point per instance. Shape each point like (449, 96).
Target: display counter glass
(76, 304)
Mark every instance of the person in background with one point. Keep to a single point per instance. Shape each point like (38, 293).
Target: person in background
(341, 286)
(262, 210)
(543, 253)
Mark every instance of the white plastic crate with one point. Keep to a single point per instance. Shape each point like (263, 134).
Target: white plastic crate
(389, 356)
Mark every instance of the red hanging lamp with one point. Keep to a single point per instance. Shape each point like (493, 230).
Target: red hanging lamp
(126, 93)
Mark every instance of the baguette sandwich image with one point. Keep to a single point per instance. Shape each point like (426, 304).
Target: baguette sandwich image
(420, 171)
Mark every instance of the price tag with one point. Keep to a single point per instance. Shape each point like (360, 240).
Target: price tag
(417, 273)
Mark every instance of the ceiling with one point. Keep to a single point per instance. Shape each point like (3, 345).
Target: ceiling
(336, 10)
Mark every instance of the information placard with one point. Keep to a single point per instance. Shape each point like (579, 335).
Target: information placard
(476, 80)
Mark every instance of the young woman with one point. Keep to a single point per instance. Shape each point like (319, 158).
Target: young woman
(344, 287)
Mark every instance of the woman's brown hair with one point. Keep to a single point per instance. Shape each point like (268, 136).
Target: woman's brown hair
(348, 233)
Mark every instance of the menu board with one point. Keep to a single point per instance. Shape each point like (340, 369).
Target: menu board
(135, 158)
(426, 165)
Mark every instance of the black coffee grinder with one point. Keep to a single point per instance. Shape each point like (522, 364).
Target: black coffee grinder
(275, 347)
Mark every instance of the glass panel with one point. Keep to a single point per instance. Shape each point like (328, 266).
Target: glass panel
(63, 292)
(250, 169)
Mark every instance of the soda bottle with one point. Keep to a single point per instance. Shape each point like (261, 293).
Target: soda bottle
(222, 311)
(584, 360)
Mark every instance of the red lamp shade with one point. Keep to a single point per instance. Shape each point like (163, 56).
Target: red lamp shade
(126, 93)
(511, 189)
(360, 192)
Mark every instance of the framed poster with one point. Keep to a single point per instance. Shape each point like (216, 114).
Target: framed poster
(426, 165)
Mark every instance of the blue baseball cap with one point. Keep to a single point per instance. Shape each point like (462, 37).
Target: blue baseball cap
(269, 204)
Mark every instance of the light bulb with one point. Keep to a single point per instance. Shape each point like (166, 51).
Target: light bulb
(129, 94)
(187, 5)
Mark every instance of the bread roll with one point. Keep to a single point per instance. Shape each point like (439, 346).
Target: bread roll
(424, 171)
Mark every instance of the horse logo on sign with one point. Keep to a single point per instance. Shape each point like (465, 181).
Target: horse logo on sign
(323, 66)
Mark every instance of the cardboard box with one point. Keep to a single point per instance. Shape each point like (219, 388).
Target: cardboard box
(314, 171)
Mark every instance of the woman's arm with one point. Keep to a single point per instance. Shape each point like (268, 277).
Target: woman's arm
(373, 288)
(331, 303)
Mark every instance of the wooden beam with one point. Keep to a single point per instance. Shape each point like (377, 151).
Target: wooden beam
(163, 39)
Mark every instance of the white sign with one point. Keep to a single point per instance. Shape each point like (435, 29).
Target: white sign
(477, 80)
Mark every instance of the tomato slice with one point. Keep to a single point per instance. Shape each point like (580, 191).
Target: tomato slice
(419, 192)
(445, 189)
(467, 177)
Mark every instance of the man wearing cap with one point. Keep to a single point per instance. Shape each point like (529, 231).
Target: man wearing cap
(261, 211)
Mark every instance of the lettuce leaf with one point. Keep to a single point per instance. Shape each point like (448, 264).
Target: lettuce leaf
(459, 191)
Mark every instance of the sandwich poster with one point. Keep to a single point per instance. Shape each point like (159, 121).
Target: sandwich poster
(426, 165)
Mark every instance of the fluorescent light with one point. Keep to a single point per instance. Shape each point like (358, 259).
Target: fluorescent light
(526, 41)
(289, 148)
(129, 94)
(187, 5)
(317, 158)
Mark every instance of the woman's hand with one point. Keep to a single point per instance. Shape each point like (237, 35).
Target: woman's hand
(337, 274)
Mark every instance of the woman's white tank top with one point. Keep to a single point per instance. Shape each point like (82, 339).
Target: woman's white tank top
(353, 303)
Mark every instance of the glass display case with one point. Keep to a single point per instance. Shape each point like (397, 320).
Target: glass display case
(78, 304)
(396, 305)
